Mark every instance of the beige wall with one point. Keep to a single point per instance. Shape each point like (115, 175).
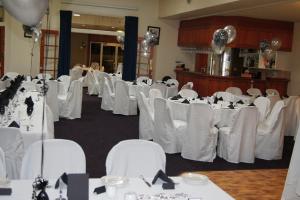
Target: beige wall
(78, 53)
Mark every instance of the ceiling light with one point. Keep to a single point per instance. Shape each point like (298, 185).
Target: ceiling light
(76, 15)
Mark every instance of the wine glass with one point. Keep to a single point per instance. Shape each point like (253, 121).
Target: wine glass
(60, 187)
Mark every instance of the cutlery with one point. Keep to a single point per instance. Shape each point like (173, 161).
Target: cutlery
(147, 183)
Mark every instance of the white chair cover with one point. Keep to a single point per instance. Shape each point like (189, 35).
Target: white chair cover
(119, 68)
(237, 143)
(234, 90)
(200, 140)
(172, 82)
(92, 83)
(45, 76)
(2, 165)
(12, 144)
(52, 99)
(270, 134)
(76, 73)
(263, 106)
(59, 156)
(29, 85)
(188, 93)
(108, 97)
(291, 116)
(273, 99)
(225, 95)
(12, 75)
(153, 94)
(167, 132)
(65, 81)
(161, 87)
(188, 85)
(132, 158)
(271, 92)
(146, 118)
(70, 105)
(141, 79)
(99, 76)
(125, 104)
(298, 116)
(254, 92)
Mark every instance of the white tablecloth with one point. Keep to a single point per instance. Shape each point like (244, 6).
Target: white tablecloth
(22, 189)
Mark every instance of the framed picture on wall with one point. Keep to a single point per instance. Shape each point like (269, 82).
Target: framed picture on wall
(155, 31)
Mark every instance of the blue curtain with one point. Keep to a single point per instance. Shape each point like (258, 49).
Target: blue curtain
(130, 48)
(64, 43)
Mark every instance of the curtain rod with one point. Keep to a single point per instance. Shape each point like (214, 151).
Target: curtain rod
(101, 6)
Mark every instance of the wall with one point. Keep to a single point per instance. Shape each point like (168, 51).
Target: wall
(166, 53)
(79, 54)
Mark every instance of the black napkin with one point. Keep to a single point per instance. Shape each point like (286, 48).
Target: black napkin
(5, 78)
(39, 82)
(100, 190)
(240, 102)
(216, 100)
(176, 97)
(64, 178)
(220, 99)
(265, 95)
(51, 79)
(113, 74)
(185, 101)
(29, 102)
(172, 83)
(144, 81)
(167, 182)
(134, 83)
(58, 80)
(168, 85)
(2, 109)
(231, 106)
(251, 104)
(22, 89)
(199, 97)
(14, 124)
(286, 96)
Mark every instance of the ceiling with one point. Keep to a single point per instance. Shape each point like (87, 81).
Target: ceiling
(285, 10)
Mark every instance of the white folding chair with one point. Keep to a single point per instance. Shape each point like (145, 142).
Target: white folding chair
(234, 90)
(108, 97)
(132, 158)
(59, 156)
(254, 92)
(271, 92)
(270, 134)
(167, 132)
(2, 165)
(188, 93)
(200, 141)
(237, 142)
(146, 118)
(125, 104)
(71, 104)
(12, 145)
(263, 105)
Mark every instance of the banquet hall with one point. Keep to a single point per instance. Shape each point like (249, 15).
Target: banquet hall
(160, 99)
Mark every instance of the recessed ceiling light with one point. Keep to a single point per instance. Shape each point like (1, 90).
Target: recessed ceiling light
(113, 27)
(76, 15)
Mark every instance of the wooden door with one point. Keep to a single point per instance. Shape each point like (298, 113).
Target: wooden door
(2, 38)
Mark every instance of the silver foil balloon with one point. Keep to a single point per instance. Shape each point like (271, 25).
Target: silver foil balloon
(28, 12)
(275, 44)
(145, 46)
(217, 49)
(120, 39)
(36, 33)
(220, 37)
(231, 31)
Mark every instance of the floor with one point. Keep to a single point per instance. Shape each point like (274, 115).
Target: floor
(250, 184)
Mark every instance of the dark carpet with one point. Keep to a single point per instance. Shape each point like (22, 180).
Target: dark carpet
(98, 131)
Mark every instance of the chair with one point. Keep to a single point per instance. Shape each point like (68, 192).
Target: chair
(99, 76)
(273, 99)
(76, 73)
(52, 99)
(12, 145)
(188, 85)
(167, 132)
(200, 141)
(153, 94)
(234, 90)
(45, 76)
(225, 95)
(146, 118)
(271, 92)
(142, 80)
(172, 82)
(291, 116)
(64, 84)
(270, 134)
(263, 106)
(12, 75)
(237, 142)
(59, 156)
(254, 92)
(108, 97)
(188, 93)
(2, 165)
(161, 87)
(132, 158)
(92, 83)
(70, 104)
(125, 104)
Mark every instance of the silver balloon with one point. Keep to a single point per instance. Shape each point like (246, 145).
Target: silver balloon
(120, 39)
(220, 37)
(268, 54)
(28, 12)
(275, 44)
(231, 31)
(145, 45)
(217, 49)
(36, 33)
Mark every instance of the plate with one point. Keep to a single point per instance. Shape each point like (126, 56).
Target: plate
(194, 179)
(117, 181)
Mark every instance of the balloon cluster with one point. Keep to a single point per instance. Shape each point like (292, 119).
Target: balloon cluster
(120, 38)
(29, 13)
(149, 41)
(268, 48)
(221, 37)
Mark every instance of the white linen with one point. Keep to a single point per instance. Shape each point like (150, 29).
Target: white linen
(70, 105)
(167, 132)
(254, 92)
(200, 141)
(237, 143)
(291, 116)
(125, 104)
(108, 97)
(234, 90)
(44, 76)
(2, 164)
(132, 158)
(22, 189)
(59, 156)
(52, 98)
(270, 134)
(188, 93)
(166, 91)
(264, 106)
(12, 145)
(63, 84)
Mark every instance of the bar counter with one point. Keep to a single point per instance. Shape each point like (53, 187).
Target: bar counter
(207, 85)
